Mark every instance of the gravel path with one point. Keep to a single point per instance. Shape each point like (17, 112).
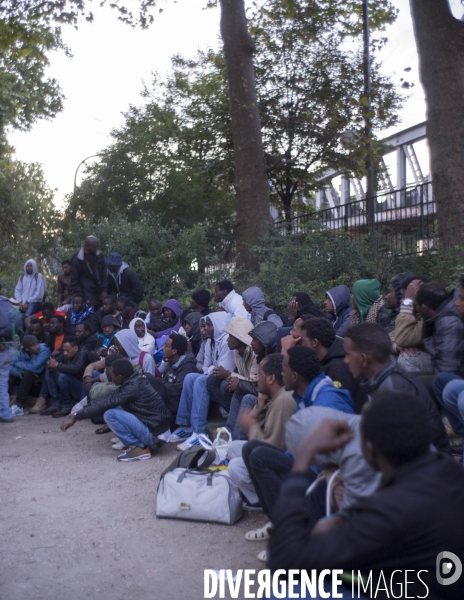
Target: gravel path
(78, 524)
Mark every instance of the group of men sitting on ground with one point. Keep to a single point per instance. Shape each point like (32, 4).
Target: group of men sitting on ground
(153, 377)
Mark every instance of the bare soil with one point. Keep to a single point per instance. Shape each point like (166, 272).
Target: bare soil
(78, 524)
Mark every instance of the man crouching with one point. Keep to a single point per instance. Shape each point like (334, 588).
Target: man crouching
(135, 413)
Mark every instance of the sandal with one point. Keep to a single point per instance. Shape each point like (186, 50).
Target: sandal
(103, 429)
(259, 535)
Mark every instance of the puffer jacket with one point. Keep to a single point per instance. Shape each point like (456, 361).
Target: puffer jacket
(74, 366)
(359, 478)
(393, 377)
(136, 396)
(341, 300)
(443, 337)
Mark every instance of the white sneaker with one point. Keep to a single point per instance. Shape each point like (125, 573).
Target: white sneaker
(196, 439)
(119, 446)
(17, 411)
(181, 434)
(115, 440)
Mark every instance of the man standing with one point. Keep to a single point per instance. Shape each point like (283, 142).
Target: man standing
(30, 289)
(64, 293)
(123, 281)
(89, 277)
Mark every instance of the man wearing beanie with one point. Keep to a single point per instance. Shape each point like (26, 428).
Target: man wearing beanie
(200, 301)
(122, 280)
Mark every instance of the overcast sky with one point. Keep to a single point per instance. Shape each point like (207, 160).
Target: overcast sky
(111, 61)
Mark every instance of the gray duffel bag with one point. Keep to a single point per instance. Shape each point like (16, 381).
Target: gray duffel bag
(199, 496)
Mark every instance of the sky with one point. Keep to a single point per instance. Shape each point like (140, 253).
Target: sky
(111, 61)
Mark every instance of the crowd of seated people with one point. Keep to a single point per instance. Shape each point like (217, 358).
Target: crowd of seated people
(362, 366)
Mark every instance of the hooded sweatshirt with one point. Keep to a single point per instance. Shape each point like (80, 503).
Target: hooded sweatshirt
(174, 323)
(233, 305)
(125, 283)
(322, 392)
(246, 365)
(341, 300)
(30, 288)
(259, 311)
(266, 333)
(194, 319)
(359, 478)
(221, 355)
(147, 342)
(130, 342)
(365, 293)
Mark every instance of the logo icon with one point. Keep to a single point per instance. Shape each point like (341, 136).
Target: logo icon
(447, 562)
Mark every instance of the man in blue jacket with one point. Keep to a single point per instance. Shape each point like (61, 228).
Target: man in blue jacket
(27, 370)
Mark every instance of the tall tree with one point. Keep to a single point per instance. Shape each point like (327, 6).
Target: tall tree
(440, 43)
(251, 181)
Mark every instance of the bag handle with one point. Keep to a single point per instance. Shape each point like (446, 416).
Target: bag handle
(221, 431)
(209, 481)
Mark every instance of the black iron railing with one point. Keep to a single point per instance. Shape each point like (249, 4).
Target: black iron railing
(405, 219)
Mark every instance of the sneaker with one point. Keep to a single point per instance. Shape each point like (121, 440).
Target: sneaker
(262, 556)
(119, 446)
(181, 434)
(115, 440)
(17, 411)
(135, 453)
(252, 507)
(40, 405)
(196, 439)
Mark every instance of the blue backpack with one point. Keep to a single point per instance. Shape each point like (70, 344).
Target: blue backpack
(11, 320)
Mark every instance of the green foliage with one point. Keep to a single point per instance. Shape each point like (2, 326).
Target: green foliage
(166, 259)
(317, 260)
(28, 218)
(174, 155)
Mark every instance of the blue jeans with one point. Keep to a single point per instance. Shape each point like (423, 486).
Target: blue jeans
(446, 387)
(239, 404)
(128, 428)
(194, 403)
(33, 308)
(453, 401)
(64, 389)
(6, 360)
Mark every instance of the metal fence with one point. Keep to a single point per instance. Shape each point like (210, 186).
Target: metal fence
(404, 219)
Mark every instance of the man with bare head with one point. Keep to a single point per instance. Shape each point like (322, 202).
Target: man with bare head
(89, 273)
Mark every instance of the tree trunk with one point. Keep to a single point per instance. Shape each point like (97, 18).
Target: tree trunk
(251, 181)
(440, 43)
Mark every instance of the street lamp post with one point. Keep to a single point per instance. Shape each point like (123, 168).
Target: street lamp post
(370, 188)
(78, 167)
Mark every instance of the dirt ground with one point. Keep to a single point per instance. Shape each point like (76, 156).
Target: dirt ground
(78, 524)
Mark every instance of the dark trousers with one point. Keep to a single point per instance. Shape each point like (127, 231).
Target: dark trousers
(268, 467)
(218, 392)
(25, 385)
